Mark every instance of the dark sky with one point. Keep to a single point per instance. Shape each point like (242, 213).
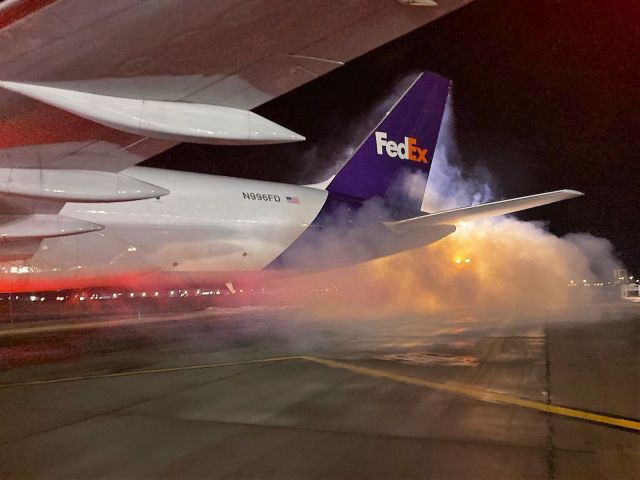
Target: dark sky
(546, 96)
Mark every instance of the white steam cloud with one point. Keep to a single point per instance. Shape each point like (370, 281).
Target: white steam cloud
(500, 263)
(447, 187)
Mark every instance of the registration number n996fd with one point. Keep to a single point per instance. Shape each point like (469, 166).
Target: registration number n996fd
(265, 197)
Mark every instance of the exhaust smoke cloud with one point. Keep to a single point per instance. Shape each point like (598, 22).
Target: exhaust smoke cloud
(500, 263)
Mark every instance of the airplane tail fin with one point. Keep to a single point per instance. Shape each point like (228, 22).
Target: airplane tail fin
(393, 162)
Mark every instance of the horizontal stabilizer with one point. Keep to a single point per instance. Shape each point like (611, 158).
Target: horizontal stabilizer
(479, 212)
(26, 227)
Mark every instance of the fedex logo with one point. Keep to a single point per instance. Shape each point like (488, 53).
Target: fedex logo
(407, 150)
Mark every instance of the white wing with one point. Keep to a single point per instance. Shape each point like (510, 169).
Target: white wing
(226, 53)
(81, 59)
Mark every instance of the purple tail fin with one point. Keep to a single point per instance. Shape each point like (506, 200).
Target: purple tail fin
(394, 161)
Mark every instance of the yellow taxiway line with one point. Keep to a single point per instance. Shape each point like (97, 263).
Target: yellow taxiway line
(452, 388)
(480, 394)
(151, 371)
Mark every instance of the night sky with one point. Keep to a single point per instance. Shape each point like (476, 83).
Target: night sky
(546, 96)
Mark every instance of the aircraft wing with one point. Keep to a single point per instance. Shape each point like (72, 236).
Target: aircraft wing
(91, 87)
(479, 212)
(235, 54)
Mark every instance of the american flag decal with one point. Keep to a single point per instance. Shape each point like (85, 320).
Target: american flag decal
(294, 200)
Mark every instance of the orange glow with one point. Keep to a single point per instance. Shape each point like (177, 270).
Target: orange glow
(523, 267)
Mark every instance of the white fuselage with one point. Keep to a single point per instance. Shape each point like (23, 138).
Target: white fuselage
(207, 228)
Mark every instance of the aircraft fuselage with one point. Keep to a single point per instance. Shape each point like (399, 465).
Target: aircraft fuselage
(205, 229)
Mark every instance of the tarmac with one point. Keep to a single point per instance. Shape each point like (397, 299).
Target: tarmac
(275, 393)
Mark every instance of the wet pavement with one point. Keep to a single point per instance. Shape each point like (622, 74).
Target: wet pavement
(273, 393)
